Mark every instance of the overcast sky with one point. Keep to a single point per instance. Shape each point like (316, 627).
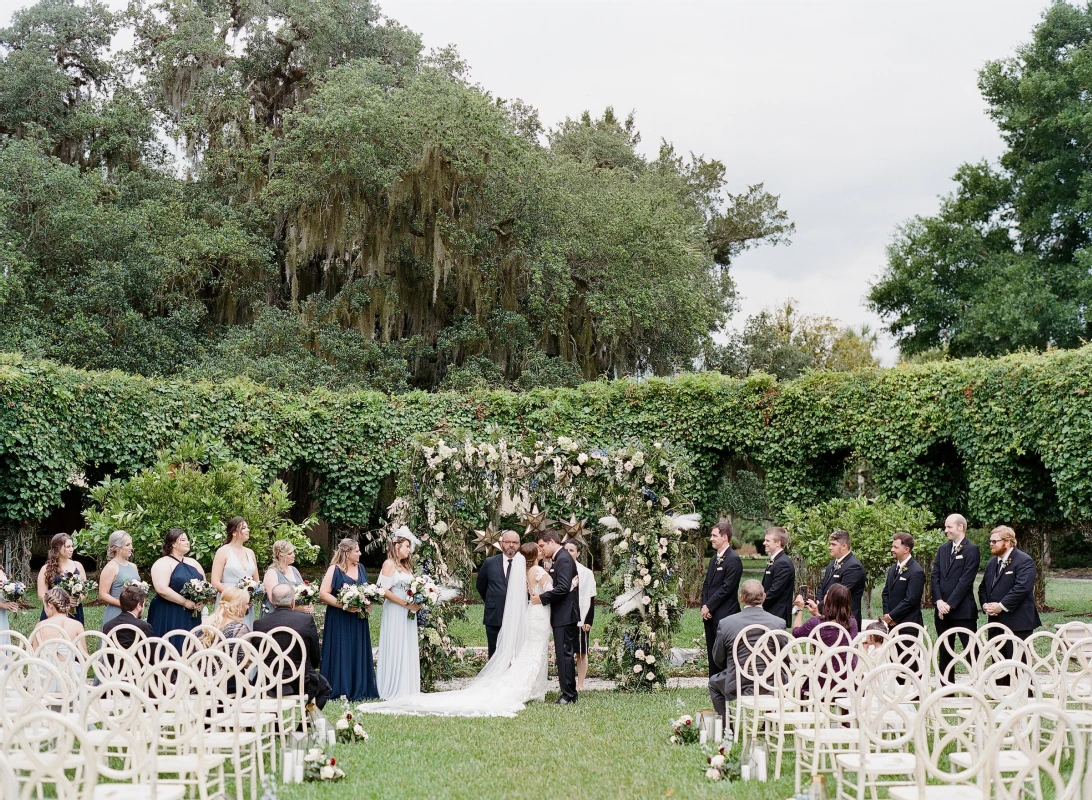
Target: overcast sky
(855, 113)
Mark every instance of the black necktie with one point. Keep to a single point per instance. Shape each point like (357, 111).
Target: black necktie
(507, 567)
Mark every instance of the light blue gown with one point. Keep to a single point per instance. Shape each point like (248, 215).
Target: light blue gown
(126, 573)
(398, 665)
(235, 571)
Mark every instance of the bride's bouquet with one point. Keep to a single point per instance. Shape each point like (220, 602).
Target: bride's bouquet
(199, 592)
(307, 594)
(251, 587)
(423, 592)
(78, 587)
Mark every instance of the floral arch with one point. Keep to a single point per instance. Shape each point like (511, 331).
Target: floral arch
(458, 494)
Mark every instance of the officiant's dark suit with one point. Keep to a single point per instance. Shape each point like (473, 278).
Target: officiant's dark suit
(564, 615)
(952, 579)
(720, 594)
(493, 587)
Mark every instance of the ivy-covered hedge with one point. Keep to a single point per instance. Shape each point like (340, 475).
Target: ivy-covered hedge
(1000, 440)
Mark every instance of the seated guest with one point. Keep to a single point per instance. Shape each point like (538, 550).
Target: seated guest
(722, 684)
(57, 605)
(228, 616)
(284, 615)
(837, 608)
(131, 601)
(877, 635)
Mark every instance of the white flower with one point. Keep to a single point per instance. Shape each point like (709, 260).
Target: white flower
(564, 441)
(649, 676)
(439, 476)
(638, 459)
(538, 460)
(646, 600)
(582, 459)
(664, 501)
(649, 479)
(639, 654)
(574, 469)
(628, 466)
(650, 659)
(657, 445)
(717, 761)
(713, 774)
(674, 740)
(637, 668)
(342, 724)
(440, 527)
(358, 729)
(327, 773)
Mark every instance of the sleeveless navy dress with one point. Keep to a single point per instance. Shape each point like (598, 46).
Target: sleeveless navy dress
(165, 616)
(76, 613)
(347, 647)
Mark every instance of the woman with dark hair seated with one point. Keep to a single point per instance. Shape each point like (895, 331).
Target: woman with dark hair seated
(837, 608)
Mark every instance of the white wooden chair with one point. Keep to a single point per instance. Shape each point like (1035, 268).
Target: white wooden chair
(787, 683)
(46, 749)
(756, 651)
(962, 660)
(279, 685)
(939, 729)
(1052, 749)
(742, 649)
(833, 677)
(884, 705)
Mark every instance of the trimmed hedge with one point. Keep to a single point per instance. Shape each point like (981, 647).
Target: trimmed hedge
(1006, 439)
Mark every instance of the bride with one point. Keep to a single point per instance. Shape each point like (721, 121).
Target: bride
(516, 674)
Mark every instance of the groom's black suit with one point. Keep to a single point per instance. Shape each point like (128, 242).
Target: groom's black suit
(564, 615)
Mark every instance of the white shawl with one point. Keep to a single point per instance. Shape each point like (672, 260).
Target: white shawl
(586, 587)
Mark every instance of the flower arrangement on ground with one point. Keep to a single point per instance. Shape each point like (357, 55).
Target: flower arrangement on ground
(684, 731)
(721, 763)
(78, 587)
(199, 592)
(307, 594)
(348, 730)
(317, 766)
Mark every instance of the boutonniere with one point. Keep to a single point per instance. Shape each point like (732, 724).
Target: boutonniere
(902, 568)
(1005, 563)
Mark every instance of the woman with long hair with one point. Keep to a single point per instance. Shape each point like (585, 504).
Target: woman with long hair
(234, 561)
(58, 564)
(169, 610)
(398, 663)
(282, 571)
(119, 570)
(58, 622)
(837, 608)
(228, 616)
(346, 640)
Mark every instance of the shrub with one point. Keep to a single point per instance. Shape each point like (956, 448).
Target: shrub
(194, 487)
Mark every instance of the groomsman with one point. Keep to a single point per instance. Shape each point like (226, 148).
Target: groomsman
(1007, 591)
(953, 574)
(779, 581)
(845, 569)
(493, 586)
(905, 585)
(720, 591)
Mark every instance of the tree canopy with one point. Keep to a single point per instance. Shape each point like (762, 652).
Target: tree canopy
(1004, 265)
(342, 209)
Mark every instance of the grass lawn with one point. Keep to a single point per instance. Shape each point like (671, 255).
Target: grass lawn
(606, 746)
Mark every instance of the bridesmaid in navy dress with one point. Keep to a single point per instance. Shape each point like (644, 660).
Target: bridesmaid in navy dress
(58, 564)
(346, 642)
(169, 610)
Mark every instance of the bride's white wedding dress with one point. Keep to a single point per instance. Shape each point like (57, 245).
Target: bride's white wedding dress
(515, 675)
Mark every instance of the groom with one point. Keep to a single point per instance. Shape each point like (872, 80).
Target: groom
(564, 611)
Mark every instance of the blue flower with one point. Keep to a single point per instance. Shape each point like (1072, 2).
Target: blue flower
(534, 483)
(648, 493)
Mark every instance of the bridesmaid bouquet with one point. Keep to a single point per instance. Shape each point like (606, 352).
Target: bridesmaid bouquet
(12, 592)
(423, 592)
(78, 588)
(198, 591)
(358, 598)
(317, 766)
(142, 585)
(251, 587)
(307, 594)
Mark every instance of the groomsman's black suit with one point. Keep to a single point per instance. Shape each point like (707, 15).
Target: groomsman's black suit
(314, 684)
(952, 580)
(779, 581)
(902, 593)
(1013, 586)
(564, 615)
(849, 572)
(720, 594)
(493, 587)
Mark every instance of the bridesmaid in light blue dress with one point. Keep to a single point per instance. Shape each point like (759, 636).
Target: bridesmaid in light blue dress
(5, 625)
(398, 665)
(117, 572)
(234, 561)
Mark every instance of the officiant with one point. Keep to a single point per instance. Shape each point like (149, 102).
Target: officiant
(493, 586)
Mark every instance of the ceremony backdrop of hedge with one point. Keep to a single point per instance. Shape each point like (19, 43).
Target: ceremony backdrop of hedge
(1007, 440)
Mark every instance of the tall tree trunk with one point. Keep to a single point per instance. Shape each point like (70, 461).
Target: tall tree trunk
(18, 544)
(1034, 540)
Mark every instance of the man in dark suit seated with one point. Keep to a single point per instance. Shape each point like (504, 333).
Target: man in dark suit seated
(722, 684)
(1007, 591)
(131, 600)
(284, 615)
